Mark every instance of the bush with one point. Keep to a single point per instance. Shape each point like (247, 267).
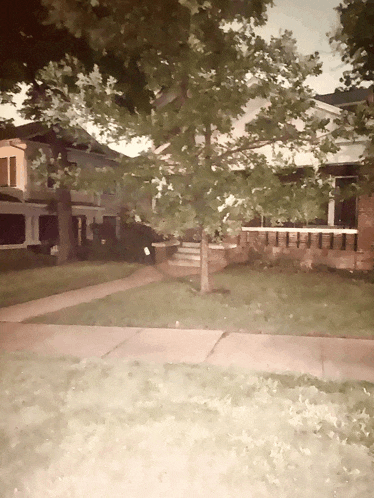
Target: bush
(114, 251)
(23, 259)
(130, 247)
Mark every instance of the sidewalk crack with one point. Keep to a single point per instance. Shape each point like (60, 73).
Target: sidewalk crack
(211, 352)
(121, 343)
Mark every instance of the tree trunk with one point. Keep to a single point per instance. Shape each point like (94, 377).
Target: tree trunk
(66, 247)
(204, 245)
(204, 264)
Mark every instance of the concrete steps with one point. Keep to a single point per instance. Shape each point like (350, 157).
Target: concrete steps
(183, 262)
(188, 254)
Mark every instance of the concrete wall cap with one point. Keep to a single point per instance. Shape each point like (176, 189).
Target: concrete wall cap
(166, 243)
(223, 246)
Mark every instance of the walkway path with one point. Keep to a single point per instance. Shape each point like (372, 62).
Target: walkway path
(329, 358)
(21, 312)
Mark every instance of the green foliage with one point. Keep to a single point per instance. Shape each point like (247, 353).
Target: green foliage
(44, 168)
(127, 40)
(354, 39)
(202, 64)
(211, 176)
(28, 43)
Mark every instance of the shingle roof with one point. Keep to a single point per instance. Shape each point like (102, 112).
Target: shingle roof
(37, 131)
(344, 99)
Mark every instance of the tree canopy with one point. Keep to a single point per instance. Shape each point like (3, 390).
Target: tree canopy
(354, 38)
(126, 39)
(203, 65)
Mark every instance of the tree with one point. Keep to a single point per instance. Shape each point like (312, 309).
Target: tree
(57, 168)
(206, 175)
(354, 39)
(126, 40)
(48, 31)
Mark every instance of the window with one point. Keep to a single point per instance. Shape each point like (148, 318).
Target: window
(80, 229)
(8, 172)
(50, 182)
(12, 229)
(109, 227)
(48, 228)
(345, 202)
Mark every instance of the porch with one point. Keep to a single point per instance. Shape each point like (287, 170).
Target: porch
(331, 246)
(340, 248)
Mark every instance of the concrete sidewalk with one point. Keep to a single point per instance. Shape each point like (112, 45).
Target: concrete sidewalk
(326, 358)
(21, 312)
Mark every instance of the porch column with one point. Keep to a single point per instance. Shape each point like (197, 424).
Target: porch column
(32, 229)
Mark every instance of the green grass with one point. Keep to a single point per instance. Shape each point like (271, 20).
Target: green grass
(25, 285)
(23, 259)
(267, 301)
(97, 428)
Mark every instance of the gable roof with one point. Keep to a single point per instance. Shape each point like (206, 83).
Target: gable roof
(36, 132)
(346, 99)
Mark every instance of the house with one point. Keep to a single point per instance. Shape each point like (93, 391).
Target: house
(342, 238)
(27, 218)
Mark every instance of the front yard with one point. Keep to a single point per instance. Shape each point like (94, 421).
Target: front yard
(96, 428)
(258, 301)
(25, 285)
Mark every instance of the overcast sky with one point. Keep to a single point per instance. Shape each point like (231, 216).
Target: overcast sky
(309, 20)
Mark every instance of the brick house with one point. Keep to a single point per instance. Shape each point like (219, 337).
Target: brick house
(343, 238)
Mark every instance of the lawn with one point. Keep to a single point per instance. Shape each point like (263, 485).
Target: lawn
(24, 285)
(96, 428)
(247, 300)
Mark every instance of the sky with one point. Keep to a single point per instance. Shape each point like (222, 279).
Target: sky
(309, 20)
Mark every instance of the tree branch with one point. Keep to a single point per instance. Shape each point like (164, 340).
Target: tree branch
(256, 145)
(263, 143)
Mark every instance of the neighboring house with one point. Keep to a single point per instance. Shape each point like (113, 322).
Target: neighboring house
(347, 100)
(343, 238)
(26, 217)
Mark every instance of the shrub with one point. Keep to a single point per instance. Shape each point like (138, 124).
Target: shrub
(23, 259)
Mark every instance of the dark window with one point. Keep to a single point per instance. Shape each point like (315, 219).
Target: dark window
(345, 214)
(109, 228)
(80, 229)
(48, 228)
(12, 229)
(3, 171)
(50, 182)
(50, 169)
(12, 172)
(8, 172)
